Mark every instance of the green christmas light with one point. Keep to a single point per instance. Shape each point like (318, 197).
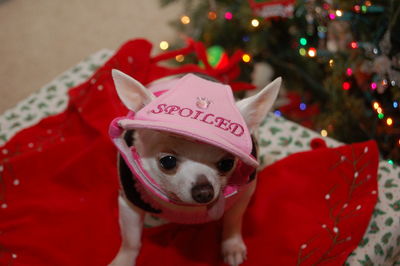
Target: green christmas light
(391, 162)
(381, 116)
(303, 41)
(364, 9)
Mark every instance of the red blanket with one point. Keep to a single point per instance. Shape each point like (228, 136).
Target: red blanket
(59, 187)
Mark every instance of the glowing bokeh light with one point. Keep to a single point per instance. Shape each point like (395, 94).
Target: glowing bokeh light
(303, 41)
(354, 45)
(185, 19)
(228, 15)
(164, 45)
(179, 58)
(212, 15)
(346, 85)
(255, 23)
(246, 58)
(312, 52)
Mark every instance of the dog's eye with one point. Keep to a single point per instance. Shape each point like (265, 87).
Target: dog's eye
(168, 162)
(225, 165)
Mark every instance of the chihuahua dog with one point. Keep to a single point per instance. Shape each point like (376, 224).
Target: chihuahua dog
(193, 166)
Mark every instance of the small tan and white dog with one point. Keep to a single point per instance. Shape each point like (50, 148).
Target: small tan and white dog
(190, 172)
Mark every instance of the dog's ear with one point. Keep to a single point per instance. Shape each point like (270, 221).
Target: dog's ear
(255, 108)
(131, 92)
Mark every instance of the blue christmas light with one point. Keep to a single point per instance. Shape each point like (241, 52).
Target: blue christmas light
(395, 104)
(246, 38)
(278, 113)
(303, 106)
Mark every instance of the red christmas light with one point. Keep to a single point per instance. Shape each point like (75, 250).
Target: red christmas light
(346, 85)
(354, 45)
(312, 52)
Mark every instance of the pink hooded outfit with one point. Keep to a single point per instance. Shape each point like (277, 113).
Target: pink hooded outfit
(198, 109)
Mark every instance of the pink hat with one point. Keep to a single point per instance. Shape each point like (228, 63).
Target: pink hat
(201, 110)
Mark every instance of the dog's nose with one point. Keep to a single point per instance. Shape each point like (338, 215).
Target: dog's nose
(203, 192)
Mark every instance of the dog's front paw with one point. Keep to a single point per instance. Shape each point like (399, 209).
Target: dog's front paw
(234, 251)
(125, 258)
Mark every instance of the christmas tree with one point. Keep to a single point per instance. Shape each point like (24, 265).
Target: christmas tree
(339, 59)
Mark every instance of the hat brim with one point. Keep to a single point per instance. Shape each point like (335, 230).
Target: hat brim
(182, 130)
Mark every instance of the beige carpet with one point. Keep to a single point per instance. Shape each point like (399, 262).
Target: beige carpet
(41, 39)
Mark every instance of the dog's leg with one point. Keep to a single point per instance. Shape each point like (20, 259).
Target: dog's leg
(233, 248)
(131, 224)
